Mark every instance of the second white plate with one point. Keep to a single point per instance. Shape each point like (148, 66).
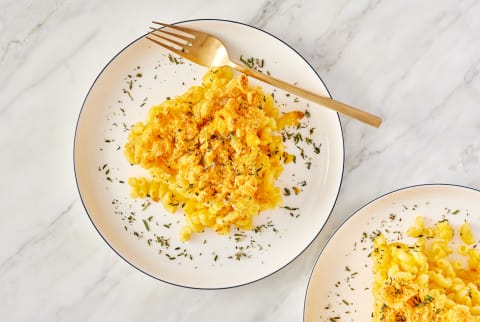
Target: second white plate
(340, 284)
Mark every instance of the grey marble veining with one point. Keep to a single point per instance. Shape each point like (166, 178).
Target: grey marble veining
(417, 64)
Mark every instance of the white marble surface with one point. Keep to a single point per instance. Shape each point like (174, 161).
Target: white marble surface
(416, 63)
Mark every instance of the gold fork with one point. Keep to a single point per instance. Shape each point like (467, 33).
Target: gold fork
(207, 50)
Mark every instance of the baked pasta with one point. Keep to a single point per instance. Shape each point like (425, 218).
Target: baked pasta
(421, 282)
(215, 151)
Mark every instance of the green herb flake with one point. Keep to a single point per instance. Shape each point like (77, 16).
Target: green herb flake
(145, 205)
(247, 62)
(429, 298)
(297, 138)
(145, 223)
(174, 59)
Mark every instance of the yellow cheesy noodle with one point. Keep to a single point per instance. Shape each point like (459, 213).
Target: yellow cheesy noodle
(421, 281)
(215, 150)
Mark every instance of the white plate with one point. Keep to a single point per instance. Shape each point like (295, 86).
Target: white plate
(143, 74)
(340, 284)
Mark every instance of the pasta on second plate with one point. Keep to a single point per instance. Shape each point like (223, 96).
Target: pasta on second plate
(420, 282)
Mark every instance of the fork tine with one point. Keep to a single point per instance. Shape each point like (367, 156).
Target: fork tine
(159, 34)
(180, 53)
(184, 29)
(172, 34)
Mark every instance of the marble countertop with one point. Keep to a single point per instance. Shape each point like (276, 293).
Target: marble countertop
(416, 64)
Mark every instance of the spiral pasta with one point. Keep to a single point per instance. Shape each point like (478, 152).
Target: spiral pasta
(420, 282)
(215, 151)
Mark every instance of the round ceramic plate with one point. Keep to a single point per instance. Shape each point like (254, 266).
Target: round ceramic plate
(340, 284)
(141, 231)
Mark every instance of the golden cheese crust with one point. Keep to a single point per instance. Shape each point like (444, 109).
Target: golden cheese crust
(215, 150)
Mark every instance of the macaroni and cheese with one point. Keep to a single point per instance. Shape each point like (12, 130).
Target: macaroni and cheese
(215, 151)
(421, 282)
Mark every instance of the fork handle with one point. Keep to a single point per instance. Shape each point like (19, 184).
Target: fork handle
(335, 105)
